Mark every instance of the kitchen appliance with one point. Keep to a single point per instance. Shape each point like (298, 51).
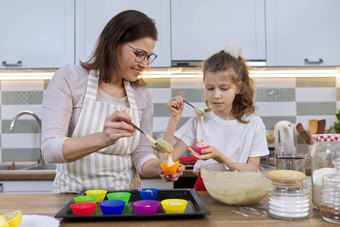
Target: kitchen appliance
(285, 139)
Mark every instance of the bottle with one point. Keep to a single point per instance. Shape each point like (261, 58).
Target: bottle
(288, 195)
(323, 152)
(330, 195)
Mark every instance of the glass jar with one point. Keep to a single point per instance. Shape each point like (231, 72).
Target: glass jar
(323, 152)
(330, 195)
(288, 195)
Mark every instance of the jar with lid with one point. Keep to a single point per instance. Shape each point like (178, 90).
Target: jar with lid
(330, 195)
(288, 195)
(323, 152)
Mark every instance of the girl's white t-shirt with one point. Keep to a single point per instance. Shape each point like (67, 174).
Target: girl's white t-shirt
(238, 141)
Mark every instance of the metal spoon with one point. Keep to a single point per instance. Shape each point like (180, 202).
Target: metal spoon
(198, 110)
(159, 144)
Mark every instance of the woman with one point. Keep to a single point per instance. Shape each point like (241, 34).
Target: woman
(86, 111)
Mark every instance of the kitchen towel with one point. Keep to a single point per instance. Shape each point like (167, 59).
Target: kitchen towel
(38, 221)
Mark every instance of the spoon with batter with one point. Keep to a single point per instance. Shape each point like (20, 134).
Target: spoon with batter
(198, 110)
(159, 144)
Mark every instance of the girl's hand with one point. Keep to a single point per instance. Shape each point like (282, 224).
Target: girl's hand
(211, 152)
(173, 177)
(176, 105)
(115, 127)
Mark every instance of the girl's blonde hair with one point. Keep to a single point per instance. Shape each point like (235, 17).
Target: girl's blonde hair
(222, 61)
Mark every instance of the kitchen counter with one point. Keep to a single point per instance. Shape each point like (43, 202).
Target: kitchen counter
(21, 174)
(221, 214)
(40, 181)
(15, 175)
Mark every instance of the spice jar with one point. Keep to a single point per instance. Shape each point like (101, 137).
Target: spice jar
(330, 195)
(323, 152)
(288, 195)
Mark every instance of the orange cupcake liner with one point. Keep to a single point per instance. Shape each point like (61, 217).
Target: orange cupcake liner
(171, 169)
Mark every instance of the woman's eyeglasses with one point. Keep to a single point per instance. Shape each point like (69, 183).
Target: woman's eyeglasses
(141, 56)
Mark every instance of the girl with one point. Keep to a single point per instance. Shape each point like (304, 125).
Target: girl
(234, 133)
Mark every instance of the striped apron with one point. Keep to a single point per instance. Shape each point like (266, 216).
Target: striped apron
(109, 168)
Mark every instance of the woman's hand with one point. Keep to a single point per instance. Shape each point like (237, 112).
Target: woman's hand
(209, 153)
(176, 105)
(173, 177)
(115, 127)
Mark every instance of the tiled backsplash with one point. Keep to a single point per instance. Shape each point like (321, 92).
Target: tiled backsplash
(292, 99)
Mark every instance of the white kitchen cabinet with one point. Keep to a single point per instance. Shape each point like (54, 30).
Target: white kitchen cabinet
(201, 28)
(26, 187)
(93, 15)
(303, 33)
(36, 33)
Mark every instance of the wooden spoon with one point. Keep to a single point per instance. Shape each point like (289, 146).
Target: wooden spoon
(12, 166)
(313, 126)
(303, 134)
(321, 126)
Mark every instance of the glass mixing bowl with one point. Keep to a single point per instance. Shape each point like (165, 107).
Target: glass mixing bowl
(236, 184)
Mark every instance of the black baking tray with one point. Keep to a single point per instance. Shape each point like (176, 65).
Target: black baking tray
(195, 207)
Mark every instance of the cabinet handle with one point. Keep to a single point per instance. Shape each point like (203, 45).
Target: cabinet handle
(4, 63)
(313, 62)
(1, 187)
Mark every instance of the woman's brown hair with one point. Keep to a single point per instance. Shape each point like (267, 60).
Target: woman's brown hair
(243, 103)
(126, 26)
